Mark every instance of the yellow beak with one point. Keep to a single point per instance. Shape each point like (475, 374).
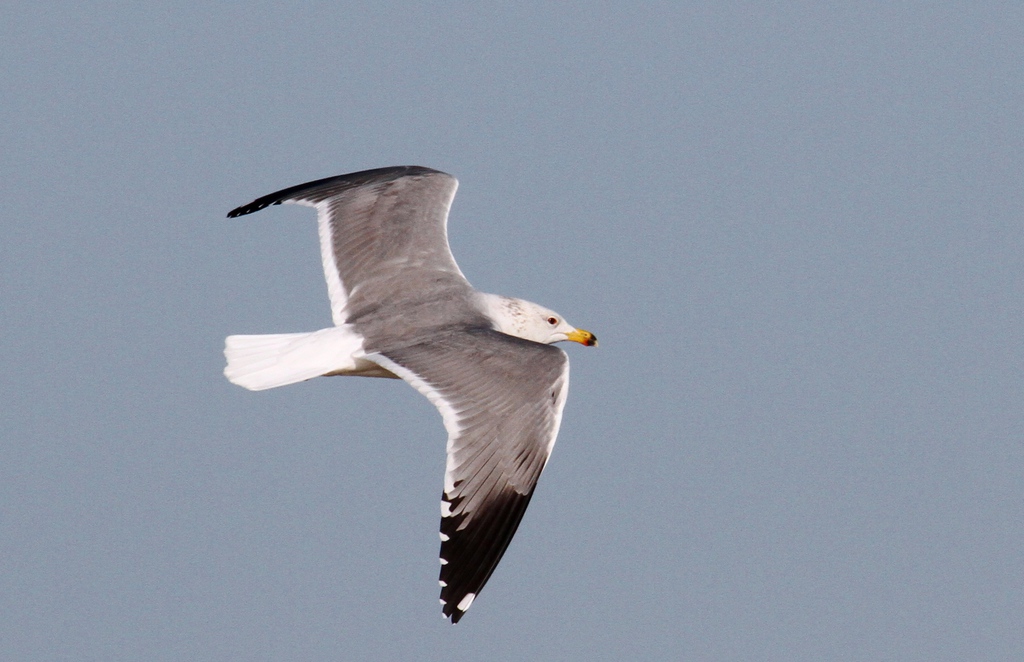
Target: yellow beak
(583, 337)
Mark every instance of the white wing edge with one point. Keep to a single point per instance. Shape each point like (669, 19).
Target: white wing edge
(448, 415)
(563, 394)
(444, 227)
(335, 288)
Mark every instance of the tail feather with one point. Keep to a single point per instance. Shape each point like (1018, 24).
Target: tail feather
(267, 361)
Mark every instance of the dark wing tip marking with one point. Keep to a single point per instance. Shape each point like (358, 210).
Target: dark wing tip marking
(333, 185)
(472, 554)
(253, 206)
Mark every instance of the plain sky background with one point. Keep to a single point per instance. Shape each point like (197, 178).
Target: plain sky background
(796, 229)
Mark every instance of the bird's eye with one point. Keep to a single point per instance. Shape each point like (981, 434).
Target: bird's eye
(553, 321)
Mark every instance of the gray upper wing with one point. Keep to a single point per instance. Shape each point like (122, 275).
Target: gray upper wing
(501, 399)
(383, 233)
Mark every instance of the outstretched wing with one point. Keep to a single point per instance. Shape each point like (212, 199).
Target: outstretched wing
(381, 231)
(501, 399)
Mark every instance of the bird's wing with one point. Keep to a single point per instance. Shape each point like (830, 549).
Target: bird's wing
(381, 231)
(501, 399)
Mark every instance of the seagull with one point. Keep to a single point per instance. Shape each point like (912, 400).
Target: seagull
(403, 309)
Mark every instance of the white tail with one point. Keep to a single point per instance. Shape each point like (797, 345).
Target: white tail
(267, 361)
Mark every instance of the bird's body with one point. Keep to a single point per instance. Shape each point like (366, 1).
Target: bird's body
(402, 308)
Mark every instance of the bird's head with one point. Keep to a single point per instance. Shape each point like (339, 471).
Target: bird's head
(527, 320)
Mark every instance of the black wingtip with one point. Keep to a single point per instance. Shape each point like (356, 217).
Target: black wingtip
(253, 206)
(338, 183)
(471, 555)
(452, 614)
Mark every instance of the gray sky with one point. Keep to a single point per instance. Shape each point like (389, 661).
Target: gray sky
(795, 229)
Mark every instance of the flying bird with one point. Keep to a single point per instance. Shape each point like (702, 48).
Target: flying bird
(402, 309)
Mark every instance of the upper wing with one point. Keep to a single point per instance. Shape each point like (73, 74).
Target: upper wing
(381, 231)
(501, 399)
